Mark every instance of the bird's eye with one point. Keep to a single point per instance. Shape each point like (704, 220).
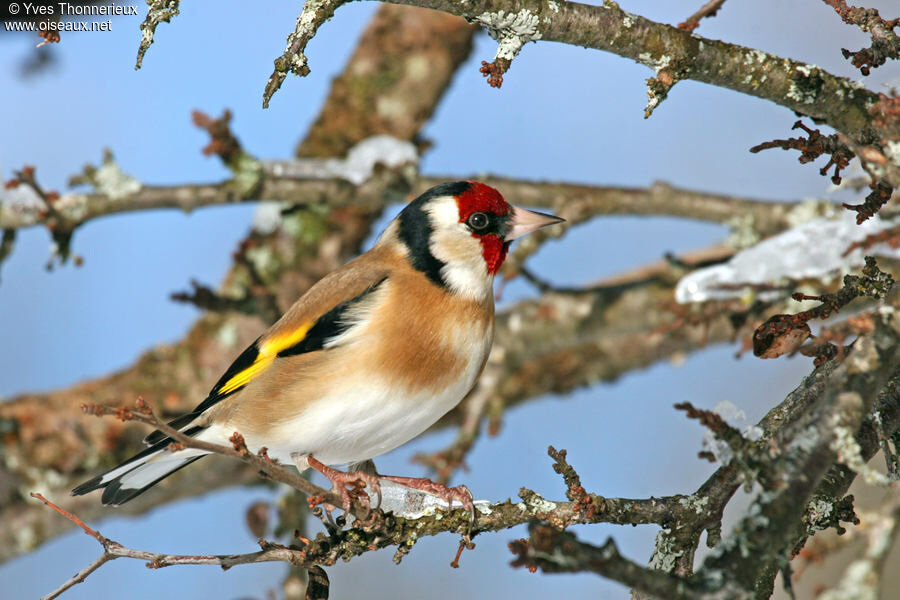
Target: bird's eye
(478, 220)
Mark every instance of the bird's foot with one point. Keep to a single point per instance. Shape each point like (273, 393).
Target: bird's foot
(349, 486)
(459, 493)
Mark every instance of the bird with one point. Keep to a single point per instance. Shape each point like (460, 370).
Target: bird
(367, 359)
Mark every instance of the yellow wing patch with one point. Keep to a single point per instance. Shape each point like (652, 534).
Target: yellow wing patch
(267, 353)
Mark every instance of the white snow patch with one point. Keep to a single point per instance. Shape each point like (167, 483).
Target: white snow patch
(414, 504)
(812, 250)
(735, 417)
(357, 168)
(112, 182)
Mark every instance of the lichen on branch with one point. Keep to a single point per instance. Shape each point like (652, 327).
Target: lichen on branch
(158, 11)
(313, 15)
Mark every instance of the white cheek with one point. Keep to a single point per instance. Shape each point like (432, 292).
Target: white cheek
(452, 243)
(464, 268)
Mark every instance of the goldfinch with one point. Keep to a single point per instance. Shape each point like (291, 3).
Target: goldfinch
(369, 358)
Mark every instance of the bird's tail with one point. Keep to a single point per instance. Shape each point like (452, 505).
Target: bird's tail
(141, 472)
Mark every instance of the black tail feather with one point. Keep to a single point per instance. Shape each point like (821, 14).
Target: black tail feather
(115, 493)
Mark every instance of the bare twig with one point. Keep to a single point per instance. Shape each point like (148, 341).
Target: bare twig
(144, 414)
(554, 551)
(157, 560)
(314, 13)
(812, 147)
(878, 197)
(158, 11)
(783, 333)
(707, 10)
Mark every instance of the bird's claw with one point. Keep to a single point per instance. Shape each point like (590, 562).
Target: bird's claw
(459, 493)
(349, 486)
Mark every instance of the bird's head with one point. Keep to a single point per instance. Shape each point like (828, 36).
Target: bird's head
(458, 234)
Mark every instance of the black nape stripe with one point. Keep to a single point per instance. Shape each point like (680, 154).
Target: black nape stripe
(415, 230)
(330, 325)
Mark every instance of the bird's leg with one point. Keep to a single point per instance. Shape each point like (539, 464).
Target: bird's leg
(356, 480)
(447, 494)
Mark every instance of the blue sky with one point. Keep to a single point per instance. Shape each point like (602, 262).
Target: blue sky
(563, 114)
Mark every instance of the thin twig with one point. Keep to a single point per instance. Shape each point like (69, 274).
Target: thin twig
(81, 575)
(156, 560)
(707, 10)
(239, 450)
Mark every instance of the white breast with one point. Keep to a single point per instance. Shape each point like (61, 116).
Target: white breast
(365, 416)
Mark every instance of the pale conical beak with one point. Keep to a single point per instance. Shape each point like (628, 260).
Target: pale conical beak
(525, 221)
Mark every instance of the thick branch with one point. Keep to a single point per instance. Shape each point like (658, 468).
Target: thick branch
(766, 534)
(676, 54)
(581, 202)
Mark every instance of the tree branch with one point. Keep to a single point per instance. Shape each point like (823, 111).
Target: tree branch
(581, 202)
(554, 551)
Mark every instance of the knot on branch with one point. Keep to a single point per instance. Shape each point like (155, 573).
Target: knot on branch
(494, 71)
(658, 90)
(239, 444)
(511, 31)
(49, 37)
(669, 71)
(812, 147)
